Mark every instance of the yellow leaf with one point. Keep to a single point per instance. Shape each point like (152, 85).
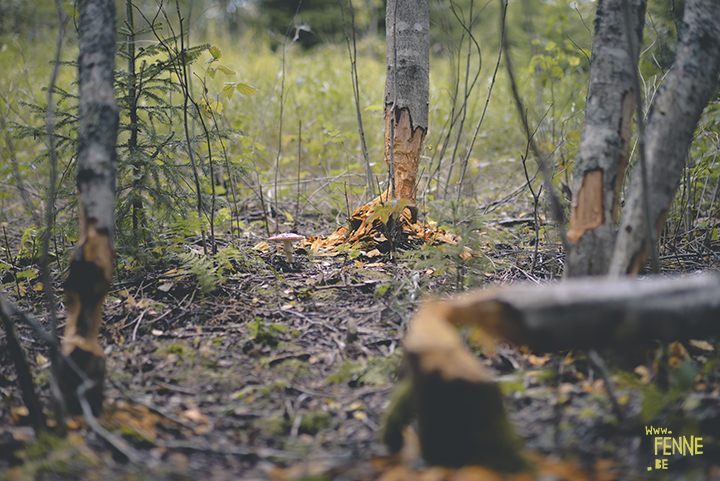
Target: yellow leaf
(225, 70)
(228, 90)
(215, 52)
(245, 89)
(702, 345)
(38, 287)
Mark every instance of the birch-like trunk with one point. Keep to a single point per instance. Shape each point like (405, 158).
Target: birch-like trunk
(91, 263)
(407, 88)
(605, 140)
(672, 121)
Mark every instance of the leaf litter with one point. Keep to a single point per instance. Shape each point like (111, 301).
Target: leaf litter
(283, 371)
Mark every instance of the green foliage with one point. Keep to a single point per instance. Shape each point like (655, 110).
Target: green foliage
(266, 333)
(375, 371)
(204, 270)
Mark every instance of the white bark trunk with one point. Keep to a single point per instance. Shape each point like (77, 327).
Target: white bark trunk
(91, 263)
(672, 121)
(407, 88)
(412, 71)
(605, 140)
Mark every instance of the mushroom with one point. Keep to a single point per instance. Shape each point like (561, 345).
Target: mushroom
(287, 239)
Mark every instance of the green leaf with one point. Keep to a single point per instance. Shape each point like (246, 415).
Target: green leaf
(70, 10)
(228, 90)
(28, 274)
(211, 72)
(245, 89)
(215, 52)
(226, 70)
(574, 61)
(550, 46)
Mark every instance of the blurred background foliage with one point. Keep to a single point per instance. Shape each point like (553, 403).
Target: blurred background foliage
(295, 54)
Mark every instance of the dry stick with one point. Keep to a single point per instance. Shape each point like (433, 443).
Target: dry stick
(464, 107)
(213, 244)
(453, 117)
(299, 155)
(27, 389)
(280, 127)
(352, 53)
(487, 101)
(536, 199)
(632, 48)
(24, 194)
(282, 105)
(181, 73)
(58, 399)
(447, 128)
(8, 309)
(134, 94)
(555, 206)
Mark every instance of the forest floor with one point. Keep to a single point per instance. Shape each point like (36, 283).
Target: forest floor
(283, 371)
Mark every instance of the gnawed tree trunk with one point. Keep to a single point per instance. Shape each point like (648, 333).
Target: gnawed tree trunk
(407, 89)
(461, 418)
(594, 312)
(91, 263)
(605, 142)
(672, 121)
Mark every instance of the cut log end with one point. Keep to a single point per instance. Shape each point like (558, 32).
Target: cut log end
(459, 407)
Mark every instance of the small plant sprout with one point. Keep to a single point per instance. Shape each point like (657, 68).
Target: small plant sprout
(287, 239)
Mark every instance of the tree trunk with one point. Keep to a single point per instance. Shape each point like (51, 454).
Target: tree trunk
(594, 312)
(91, 263)
(605, 141)
(407, 88)
(672, 121)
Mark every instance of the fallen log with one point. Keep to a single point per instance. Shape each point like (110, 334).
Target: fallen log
(594, 312)
(459, 407)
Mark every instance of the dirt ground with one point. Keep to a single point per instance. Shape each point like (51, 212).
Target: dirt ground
(264, 369)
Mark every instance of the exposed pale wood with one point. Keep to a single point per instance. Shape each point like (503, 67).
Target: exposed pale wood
(673, 117)
(408, 144)
(461, 418)
(605, 140)
(595, 312)
(91, 263)
(587, 211)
